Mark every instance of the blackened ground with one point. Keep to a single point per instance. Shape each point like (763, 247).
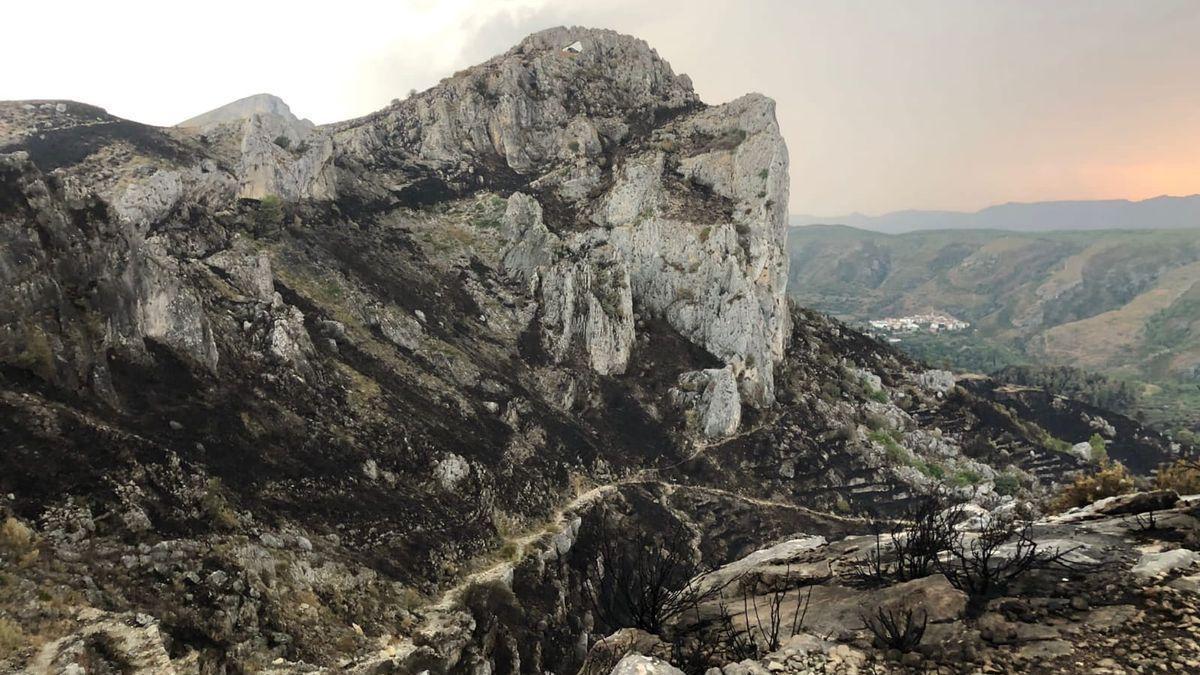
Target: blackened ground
(1139, 448)
(56, 148)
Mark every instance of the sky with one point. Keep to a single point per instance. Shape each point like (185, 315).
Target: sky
(885, 105)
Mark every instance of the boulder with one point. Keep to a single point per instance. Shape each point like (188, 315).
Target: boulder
(1135, 503)
(1157, 564)
(120, 642)
(609, 651)
(933, 595)
(713, 395)
(636, 664)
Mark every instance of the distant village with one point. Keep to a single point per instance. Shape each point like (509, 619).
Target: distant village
(890, 327)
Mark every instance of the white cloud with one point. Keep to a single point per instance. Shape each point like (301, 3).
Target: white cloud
(162, 62)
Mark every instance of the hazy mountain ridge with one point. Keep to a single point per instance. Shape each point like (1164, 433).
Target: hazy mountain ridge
(1156, 213)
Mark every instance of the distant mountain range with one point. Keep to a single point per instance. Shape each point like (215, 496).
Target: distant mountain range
(1159, 213)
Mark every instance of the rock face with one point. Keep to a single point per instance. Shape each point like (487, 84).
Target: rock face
(687, 214)
(582, 285)
(662, 205)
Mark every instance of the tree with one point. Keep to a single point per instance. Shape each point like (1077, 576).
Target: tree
(1099, 449)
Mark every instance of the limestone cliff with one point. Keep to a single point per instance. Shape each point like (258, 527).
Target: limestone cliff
(692, 199)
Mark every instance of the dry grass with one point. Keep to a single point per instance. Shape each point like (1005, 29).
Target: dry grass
(12, 637)
(15, 537)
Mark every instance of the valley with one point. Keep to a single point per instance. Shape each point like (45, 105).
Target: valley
(1119, 303)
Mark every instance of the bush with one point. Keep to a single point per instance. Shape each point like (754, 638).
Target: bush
(283, 142)
(216, 507)
(896, 631)
(1183, 477)
(985, 564)
(895, 452)
(1099, 449)
(1110, 480)
(268, 213)
(924, 530)
(761, 630)
(643, 579)
(15, 537)
(1007, 484)
(11, 637)
(966, 477)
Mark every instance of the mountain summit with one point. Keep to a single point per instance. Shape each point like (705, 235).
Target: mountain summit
(243, 109)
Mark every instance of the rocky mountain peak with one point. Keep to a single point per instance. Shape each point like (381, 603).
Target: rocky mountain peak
(243, 109)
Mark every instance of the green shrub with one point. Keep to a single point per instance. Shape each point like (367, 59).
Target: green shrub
(895, 451)
(1099, 449)
(965, 478)
(931, 469)
(283, 142)
(1057, 444)
(1007, 484)
(269, 212)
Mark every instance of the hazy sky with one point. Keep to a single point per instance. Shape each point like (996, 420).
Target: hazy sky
(886, 105)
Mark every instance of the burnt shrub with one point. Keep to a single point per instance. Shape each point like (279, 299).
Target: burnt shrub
(894, 629)
(983, 564)
(642, 579)
(925, 529)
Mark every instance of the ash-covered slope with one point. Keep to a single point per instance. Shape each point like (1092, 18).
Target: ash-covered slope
(292, 402)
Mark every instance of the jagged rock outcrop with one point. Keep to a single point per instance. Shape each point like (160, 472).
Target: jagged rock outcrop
(582, 286)
(696, 208)
(683, 204)
(83, 280)
(285, 160)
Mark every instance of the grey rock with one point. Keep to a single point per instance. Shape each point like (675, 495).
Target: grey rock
(1157, 564)
(713, 395)
(940, 381)
(451, 470)
(397, 326)
(636, 664)
(248, 270)
(137, 644)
